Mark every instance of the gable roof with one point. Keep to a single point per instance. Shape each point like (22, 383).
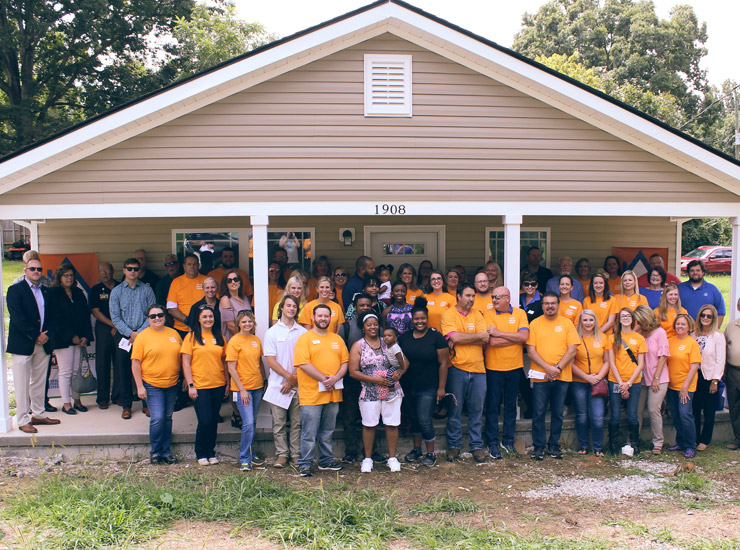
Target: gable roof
(385, 16)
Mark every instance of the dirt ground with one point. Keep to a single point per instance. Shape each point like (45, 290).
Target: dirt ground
(627, 501)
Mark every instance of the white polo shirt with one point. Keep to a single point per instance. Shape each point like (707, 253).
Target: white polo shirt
(280, 343)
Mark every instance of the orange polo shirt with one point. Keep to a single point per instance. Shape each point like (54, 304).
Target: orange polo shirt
(159, 354)
(337, 315)
(684, 351)
(437, 305)
(505, 358)
(327, 353)
(207, 361)
(246, 350)
(185, 292)
(468, 357)
(551, 340)
(601, 308)
(622, 360)
(589, 349)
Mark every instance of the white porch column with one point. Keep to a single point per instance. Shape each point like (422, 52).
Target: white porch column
(261, 280)
(512, 233)
(735, 270)
(33, 230)
(5, 421)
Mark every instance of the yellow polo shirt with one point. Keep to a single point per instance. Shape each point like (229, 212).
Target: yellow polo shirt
(505, 358)
(246, 350)
(185, 292)
(327, 353)
(625, 365)
(551, 340)
(468, 357)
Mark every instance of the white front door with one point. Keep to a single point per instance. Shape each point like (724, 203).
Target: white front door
(396, 245)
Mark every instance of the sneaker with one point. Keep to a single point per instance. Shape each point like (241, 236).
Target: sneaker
(508, 449)
(156, 460)
(294, 462)
(245, 467)
(414, 455)
(213, 461)
(305, 471)
(367, 466)
(453, 455)
(257, 460)
(495, 453)
(203, 461)
(675, 448)
(479, 455)
(690, 453)
(168, 460)
(349, 458)
(430, 459)
(734, 446)
(281, 462)
(538, 453)
(334, 466)
(394, 464)
(555, 452)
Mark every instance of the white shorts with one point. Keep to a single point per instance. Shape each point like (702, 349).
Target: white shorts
(371, 412)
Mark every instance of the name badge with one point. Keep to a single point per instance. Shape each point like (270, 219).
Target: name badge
(104, 297)
(430, 303)
(281, 339)
(572, 307)
(315, 341)
(530, 311)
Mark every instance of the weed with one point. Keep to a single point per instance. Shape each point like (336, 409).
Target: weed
(446, 504)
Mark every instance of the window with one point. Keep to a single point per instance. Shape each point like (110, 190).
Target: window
(207, 244)
(531, 236)
(404, 249)
(387, 85)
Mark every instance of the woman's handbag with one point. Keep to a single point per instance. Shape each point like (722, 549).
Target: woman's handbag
(83, 380)
(599, 389)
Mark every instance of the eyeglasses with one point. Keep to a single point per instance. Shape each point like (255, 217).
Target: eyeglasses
(499, 296)
(706, 316)
(39, 269)
(170, 264)
(529, 283)
(233, 280)
(436, 279)
(132, 268)
(241, 311)
(341, 274)
(156, 316)
(68, 275)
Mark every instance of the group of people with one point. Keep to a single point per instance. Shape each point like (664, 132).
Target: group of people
(400, 349)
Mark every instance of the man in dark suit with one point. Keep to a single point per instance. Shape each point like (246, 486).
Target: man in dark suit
(29, 346)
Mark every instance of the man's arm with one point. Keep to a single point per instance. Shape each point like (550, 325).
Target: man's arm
(464, 338)
(21, 320)
(115, 315)
(498, 338)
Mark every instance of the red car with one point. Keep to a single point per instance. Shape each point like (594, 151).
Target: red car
(717, 259)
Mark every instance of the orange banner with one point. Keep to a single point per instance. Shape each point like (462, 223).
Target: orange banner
(85, 264)
(637, 258)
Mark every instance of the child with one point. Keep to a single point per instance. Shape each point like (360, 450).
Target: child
(394, 355)
(384, 274)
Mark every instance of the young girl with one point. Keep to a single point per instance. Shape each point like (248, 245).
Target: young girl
(392, 349)
(384, 274)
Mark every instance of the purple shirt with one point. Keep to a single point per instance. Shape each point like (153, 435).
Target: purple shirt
(36, 289)
(657, 345)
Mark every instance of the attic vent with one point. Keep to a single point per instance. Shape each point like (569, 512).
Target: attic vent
(387, 85)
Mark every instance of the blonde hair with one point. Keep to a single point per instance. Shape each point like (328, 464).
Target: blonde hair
(689, 320)
(246, 313)
(663, 306)
(634, 278)
(598, 337)
(327, 279)
(645, 317)
(715, 319)
(296, 279)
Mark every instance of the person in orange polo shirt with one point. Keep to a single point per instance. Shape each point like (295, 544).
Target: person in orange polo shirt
(551, 347)
(185, 290)
(508, 331)
(465, 330)
(483, 301)
(321, 357)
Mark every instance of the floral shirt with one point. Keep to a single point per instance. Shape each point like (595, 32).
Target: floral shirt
(400, 318)
(374, 362)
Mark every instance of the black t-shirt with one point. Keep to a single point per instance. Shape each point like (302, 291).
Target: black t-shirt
(533, 309)
(100, 299)
(421, 352)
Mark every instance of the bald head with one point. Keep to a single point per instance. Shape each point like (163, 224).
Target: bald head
(501, 298)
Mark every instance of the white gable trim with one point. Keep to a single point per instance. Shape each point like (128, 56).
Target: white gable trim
(450, 43)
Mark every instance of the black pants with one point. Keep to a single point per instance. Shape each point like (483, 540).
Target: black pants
(707, 403)
(732, 379)
(350, 412)
(104, 351)
(207, 410)
(122, 364)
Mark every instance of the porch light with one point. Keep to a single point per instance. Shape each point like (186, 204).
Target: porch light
(346, 236)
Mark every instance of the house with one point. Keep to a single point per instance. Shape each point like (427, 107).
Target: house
(383, 128)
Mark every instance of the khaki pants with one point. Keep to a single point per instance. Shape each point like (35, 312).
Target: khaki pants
(654, 403)
(280, 432)
(29, 378)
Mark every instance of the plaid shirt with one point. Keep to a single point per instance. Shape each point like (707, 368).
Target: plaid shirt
(128, 307)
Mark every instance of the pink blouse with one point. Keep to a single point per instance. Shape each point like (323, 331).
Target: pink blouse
(657, 344)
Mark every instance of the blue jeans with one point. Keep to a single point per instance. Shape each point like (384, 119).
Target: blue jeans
(589, 411)
(207, 409)
(630, 405)
(683, 419)
(422, 411)
(470, 388)
(161, 405)
(544, 393)
(249, 422)
(317, 428)
(501, 384)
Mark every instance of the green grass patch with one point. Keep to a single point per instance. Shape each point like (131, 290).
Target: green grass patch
(691, 482)
(662, 535)
(446, 504)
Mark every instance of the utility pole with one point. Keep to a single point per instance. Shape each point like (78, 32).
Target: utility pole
(737, 125)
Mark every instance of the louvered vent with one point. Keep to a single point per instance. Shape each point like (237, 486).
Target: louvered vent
(387, 85)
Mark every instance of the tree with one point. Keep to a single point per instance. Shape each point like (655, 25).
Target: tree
(57, 55)
(213, 34)
(705, 231)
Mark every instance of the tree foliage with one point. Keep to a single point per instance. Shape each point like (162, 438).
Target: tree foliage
(706, 231)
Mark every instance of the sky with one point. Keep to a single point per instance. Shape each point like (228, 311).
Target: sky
(500, 20)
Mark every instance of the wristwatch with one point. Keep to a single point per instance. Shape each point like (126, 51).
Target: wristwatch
(191, 385)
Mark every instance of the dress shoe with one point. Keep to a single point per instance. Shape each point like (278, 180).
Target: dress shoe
(145, 410)
(102, 406)
(80, 407)
(168, 460)
(48, 407)
(27, 428)
(70, 410)
(46, 420)
(126, 414)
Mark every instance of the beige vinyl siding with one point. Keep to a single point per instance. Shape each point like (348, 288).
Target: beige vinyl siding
(591, 237)
(303, 135)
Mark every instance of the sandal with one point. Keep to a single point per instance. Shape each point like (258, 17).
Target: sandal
(657, 450)
(600, 454)
(582, 451)
(236, 422)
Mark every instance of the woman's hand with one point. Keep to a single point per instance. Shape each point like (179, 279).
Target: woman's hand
(383, 381)
(440, 394)
(714, 386)
(83, 342)
(593, 379)
(683, 396)
(76, 340)
(193, 393)
(624, 387)
(655, 386)
(397, 375)
(244, 397)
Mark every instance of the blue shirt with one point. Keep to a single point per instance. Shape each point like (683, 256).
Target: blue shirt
(39, 297)
(693, 298)
(653, 296)
(576, 293)
(128, 307)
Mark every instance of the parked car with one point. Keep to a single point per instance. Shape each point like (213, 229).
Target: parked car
(717, 259)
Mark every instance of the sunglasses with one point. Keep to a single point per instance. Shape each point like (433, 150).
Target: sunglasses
(529, 283)
(706, 316)
(499, 296)
(156, 316)
(132, 268)
(170, 264)
(233, 280)
(341, 274)
(39, 269)
(243, 311)
(205, 306)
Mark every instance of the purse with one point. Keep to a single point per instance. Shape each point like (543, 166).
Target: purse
(599, 389)
(83, 380)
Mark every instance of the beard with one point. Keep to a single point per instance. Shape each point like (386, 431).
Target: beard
(322, 324)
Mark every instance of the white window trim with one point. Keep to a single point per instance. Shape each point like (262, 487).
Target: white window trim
(381, 110)
(441, 231)
(522, 230)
